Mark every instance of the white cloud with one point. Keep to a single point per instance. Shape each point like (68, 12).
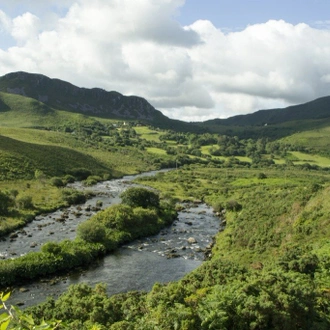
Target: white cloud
(5, 22)
(193, 72)
(25, 27)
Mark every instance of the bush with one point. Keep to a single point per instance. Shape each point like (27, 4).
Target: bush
(142, 197)
(233, 205)
(56, 182)
(5, 203)
(51, 247)
(262, 176)
(72, 196)
(217, 206)
(24, 203)
(80, 173)
(117, 217)
(91, 180)
(68, 179)
(92, 232)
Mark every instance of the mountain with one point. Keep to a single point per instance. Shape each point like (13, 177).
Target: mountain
(316, 109)
(62, 95)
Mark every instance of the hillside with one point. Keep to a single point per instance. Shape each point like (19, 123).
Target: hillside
(20, 160)
(65, 96)
(316, 109)
(275, 123)
(96, 102)
(55, 94)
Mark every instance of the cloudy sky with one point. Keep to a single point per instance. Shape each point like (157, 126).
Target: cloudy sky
(191, 59)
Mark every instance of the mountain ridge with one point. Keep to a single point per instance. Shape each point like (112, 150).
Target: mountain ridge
(63, 95)
(280, 115)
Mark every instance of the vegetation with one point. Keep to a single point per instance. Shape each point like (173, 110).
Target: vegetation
(269, 267)
(102, 233)
(13, 318)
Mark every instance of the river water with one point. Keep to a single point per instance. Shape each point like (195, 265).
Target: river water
(168, 256)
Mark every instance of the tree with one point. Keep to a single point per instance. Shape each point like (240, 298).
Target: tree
(143, 197)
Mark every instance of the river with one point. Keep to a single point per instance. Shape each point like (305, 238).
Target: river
(168, 256)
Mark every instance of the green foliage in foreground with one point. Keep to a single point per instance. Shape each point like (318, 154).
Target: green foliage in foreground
(218, 295)
(13, 318)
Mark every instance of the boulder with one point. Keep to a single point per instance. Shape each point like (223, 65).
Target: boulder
(191, 240)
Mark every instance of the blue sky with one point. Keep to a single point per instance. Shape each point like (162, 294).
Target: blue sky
(237, 14)
(193, 60)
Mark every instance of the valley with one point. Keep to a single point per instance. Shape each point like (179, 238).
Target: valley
(269, 184)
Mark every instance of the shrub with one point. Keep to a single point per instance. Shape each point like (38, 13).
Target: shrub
(91, 232)
(80, 173)
(117, 216)
(143, 197)
(72, 196)
(5, 203)
(217, 206)
(91, 180)
(233, 205)
(262, 176)
(68, 179)
(56, 182)
(24, 203)
(51, 247)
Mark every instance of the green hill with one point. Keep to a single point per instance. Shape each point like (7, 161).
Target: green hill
(275, 123)
(22, 111)
(317, 109)
(95, 102)
(21, 160)
(62, 95)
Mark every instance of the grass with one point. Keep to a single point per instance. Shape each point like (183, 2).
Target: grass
(276, 211)
(23, 158)
(56, 152)
(316, 139)
(148, 134)
(45, 198)
(156, 151)
(206, 149)
(301, 158)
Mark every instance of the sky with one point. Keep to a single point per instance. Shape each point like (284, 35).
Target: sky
(193, 60)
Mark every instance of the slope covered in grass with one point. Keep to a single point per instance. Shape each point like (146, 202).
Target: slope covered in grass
(21, 159)
(315, 139)
(21, 111)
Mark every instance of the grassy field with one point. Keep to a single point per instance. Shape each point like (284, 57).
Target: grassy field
(301, 158)
(148, 134)
(317, 139)
(156, 151)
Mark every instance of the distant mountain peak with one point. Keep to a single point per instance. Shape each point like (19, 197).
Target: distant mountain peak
(62, 95)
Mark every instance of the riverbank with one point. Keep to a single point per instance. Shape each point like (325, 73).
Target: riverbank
(137, 265)
(94, 240)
